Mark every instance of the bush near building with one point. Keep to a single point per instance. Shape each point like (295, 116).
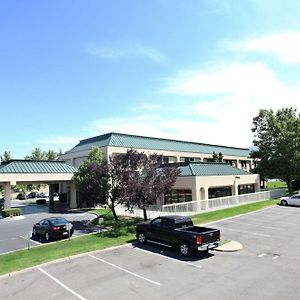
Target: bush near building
(11, 212)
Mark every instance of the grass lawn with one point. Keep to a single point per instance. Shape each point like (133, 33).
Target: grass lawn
(122, 232)
(276, 184)
(230, 212)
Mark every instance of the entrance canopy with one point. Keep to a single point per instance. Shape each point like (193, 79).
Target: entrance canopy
(18, 171)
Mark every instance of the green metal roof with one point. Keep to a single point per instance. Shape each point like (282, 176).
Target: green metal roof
(35, 166)
(209, 169)
(151, 143)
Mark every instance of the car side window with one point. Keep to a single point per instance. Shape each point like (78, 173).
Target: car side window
(156, 222)
(44, 223)
(166, 223)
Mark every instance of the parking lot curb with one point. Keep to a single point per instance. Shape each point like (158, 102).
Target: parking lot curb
(60, 260)
(231, 246)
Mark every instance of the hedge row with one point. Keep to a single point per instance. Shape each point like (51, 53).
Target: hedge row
(10, 212)
(41, 201)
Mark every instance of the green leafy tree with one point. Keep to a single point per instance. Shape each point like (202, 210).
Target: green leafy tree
(88, 179)
(6, 156)
(39, 154)
(51, 155)
(36, 154)
(216, 157)
(277, 138)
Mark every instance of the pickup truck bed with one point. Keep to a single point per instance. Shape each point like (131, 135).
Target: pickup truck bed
(178, 231)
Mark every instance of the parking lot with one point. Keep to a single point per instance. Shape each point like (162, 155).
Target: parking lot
(14, 232)
(266, 268)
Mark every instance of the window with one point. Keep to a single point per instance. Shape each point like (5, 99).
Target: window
(156, 222)
(165, 159)
(178, 196)
(219, 192)
(167, 223)
(244, 164)
(246, 189)
(187, 159)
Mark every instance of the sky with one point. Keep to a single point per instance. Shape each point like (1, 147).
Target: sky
(194, 70)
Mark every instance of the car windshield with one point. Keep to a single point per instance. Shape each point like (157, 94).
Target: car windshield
(59, 221)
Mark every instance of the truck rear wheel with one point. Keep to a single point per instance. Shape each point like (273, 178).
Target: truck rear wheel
(141, 237)
(184, 248)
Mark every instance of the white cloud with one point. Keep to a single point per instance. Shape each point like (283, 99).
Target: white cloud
(230, 95)
(286, 46)
(177, 128)
(125, 50)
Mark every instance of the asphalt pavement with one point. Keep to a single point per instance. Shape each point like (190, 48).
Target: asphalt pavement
(266, 268)
(16, 233)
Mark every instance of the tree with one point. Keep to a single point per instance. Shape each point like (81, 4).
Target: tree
(51, 155)
(216, 157)
(277, 138)
(39, 154)
(89, 179)
(6, 156)
(151, 182)
(36, 154)
(131, 179)
(122, 171)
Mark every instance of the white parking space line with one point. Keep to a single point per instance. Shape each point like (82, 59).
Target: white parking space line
(261, 255)
(61, 284)
(248, 232)
(124, 270)
(33, 241)
(166, 257)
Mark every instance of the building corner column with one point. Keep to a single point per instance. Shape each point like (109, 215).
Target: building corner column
(7, 194)
(73, 195)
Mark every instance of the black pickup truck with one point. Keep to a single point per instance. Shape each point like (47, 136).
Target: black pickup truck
(178, 231)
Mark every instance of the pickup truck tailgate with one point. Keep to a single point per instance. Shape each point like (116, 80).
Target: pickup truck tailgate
(211, 235)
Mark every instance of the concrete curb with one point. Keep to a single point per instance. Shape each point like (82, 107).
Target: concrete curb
(67, 258)
(231, 246)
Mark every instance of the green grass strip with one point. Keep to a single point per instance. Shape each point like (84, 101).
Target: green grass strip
(122, 232)
(231, 212)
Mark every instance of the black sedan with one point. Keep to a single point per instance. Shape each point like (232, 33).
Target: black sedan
(21, 196)
(52, 228)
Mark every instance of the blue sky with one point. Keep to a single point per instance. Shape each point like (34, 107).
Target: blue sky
(191, 70)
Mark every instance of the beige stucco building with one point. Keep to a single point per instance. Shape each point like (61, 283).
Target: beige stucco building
(199, 179)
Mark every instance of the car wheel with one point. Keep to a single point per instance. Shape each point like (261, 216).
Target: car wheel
(34, 232)
(47, 237)
(184, 248)
(284, 202)
(141, 237)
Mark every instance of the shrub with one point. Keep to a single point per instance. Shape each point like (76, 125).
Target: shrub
(10, 212)
(41, 201)
(296, 185)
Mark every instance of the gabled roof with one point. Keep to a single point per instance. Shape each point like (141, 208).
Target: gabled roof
(209, 169)
(35, 166)
(142, 142)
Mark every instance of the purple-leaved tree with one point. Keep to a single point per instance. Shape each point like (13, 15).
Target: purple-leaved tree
(152, 180)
